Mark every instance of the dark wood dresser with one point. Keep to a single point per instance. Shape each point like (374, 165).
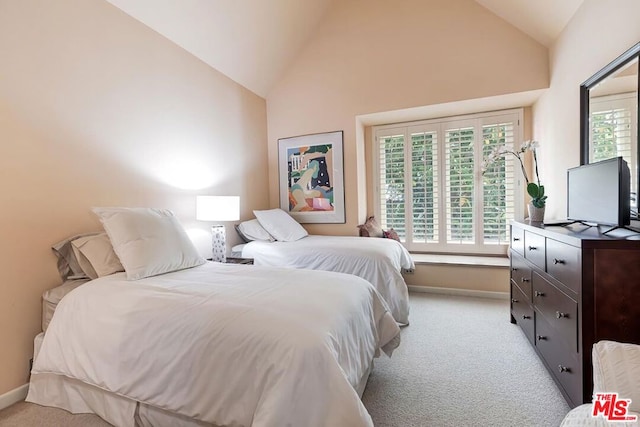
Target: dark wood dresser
(572, 286)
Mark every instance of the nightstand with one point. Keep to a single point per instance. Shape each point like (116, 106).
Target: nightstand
(238, 260)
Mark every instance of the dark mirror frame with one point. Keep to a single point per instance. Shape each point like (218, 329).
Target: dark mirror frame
(598, 77)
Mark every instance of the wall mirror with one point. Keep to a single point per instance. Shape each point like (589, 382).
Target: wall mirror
(609, 116)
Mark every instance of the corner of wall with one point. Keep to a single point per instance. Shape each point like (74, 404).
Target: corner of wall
(361, 170)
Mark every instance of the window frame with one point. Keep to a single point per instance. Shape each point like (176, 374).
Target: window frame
(440, 125)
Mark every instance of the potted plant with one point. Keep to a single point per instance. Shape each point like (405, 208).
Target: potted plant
(535, 189)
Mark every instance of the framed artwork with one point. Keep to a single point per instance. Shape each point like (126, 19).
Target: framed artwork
(311, 177)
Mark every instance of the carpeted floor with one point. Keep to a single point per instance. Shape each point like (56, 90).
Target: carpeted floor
(461, 363)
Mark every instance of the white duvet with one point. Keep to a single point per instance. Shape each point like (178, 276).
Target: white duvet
(227, 344)
(379, 261)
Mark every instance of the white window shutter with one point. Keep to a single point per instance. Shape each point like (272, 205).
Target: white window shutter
(429, 187)
(392, 184)
(459, 175)
(498, 189)
(425, 192)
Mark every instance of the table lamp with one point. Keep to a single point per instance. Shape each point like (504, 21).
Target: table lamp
(218, 208)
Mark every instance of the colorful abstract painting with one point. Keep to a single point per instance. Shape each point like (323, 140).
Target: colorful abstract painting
(311, 177)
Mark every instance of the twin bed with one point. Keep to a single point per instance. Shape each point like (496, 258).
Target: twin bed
(191, 343)
(379, 261)
(277, 240)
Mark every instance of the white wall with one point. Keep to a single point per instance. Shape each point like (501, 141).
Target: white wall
(600, 31)
(96, 109)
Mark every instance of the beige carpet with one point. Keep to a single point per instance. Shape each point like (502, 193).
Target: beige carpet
(24, 414)
(461, 363)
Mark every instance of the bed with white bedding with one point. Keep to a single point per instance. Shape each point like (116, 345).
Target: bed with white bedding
(215, 344)
(379, 261)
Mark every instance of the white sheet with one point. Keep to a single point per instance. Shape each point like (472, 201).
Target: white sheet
(226, 344)
(379, 261)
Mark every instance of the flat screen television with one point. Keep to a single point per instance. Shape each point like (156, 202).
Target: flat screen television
(600, 193)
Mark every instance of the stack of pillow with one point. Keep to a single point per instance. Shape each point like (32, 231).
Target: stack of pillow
(148, 241)
(141, 242)
(280, 225)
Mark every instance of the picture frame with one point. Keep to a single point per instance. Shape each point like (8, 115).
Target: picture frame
(311, 177)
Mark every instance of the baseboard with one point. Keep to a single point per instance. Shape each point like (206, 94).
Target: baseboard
(13, 396)
(460, 292)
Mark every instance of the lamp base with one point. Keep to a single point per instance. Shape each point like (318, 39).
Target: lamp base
(219, 243)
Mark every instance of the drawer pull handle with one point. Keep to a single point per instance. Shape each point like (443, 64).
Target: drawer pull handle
(541, 338)
(563, 369)
(514, 300)
(558, 261)
(561, 315)
(538, 294)
(525, 280)
(516, 239)
(532, 248)
(524, 316)
(514, 269)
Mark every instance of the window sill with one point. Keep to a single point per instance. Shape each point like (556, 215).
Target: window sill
(470, 260)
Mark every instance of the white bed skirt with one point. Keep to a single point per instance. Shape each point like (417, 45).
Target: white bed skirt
(80, 398)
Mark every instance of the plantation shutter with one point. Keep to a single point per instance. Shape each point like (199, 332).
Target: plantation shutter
(459, 175)
(498, 187)
(425, 192)
(392, 183)
(429, 186)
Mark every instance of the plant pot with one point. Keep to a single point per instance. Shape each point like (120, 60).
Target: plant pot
(535, 214)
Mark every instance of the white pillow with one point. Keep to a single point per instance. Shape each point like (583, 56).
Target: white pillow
(280, 225)
(68, 265)
(148, 241)
(98, 252)
(616, 368)
(252, 230)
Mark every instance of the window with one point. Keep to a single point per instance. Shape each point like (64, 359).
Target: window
(613, 129)
(429, 186)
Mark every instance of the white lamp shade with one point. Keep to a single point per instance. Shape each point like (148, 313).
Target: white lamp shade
(217, 208)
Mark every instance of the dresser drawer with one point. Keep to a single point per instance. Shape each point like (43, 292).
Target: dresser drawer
(564, 264)
(517, 239)
(522, 312)
(521, 274)
(562, 363)
(558, 309)
(534, 249)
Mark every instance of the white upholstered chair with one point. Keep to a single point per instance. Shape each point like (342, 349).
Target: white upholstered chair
(616, 368)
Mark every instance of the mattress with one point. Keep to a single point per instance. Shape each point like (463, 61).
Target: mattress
(52, 297)
(37, 343)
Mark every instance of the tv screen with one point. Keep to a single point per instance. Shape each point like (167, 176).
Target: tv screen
(600, 193)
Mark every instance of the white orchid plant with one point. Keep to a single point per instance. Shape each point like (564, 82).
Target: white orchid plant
(535, 189)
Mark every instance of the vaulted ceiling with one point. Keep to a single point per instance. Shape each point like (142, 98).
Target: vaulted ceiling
(253, 41)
